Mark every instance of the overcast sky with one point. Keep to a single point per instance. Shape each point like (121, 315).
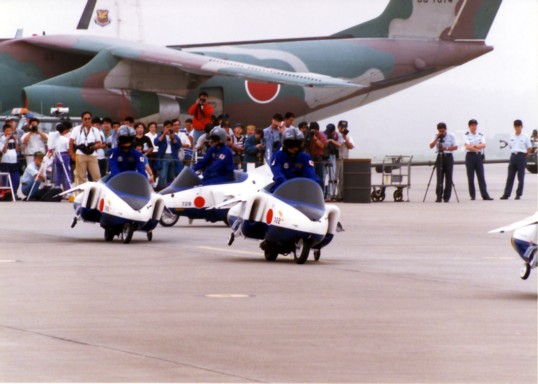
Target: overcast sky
(495, 89)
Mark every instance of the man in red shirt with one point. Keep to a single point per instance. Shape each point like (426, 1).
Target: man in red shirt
(201, 113)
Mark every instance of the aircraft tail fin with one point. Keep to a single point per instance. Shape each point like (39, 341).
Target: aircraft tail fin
(430, 19)
(107, 18)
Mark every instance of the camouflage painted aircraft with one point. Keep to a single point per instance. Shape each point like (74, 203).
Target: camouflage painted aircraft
(411, 41)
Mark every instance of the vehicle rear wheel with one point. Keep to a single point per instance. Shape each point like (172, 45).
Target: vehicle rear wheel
(270, 255)
(525, 271)
(127, 234)
(302, 250)
(109, 235)
(317, 254)
(150, 236)
(168, 218)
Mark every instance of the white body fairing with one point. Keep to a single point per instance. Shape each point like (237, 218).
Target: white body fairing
(524, 241)
(283, 221)
(124, 202)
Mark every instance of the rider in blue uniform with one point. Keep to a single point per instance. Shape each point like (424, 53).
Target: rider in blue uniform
(291, 161)
(124, 157)
(218, 163)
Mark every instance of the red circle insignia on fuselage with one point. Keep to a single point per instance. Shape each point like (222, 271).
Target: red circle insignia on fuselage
(262, 93)
(269, 216)
(199, 202)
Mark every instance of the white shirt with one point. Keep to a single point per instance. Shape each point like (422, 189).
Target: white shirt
(475, 139)
(519, 143)
(10, 156)
(81, 136)
(34, 144)
(344, 150)
(448, 141)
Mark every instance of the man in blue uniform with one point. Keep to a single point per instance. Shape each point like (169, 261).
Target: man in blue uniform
(291, 161)
(218, 163)
(124, 157)
(474, 160)
(520, 146)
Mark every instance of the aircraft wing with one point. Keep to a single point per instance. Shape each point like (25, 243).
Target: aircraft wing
(160, 69)
(518, 224)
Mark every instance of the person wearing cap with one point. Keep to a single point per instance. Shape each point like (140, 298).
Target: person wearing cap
(34, 140)
(520, 147)
(83, 141)
(218, 163)
(202, 113)
(343, 153)
(34, 175)
(445, 144)
(125, 157)
(292, 161)
(474, 160)
(331, 153)
(9, 145)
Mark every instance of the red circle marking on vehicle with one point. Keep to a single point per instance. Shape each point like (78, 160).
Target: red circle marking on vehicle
(199, 202)
(102, 205)
(269, 216)
(262, 93)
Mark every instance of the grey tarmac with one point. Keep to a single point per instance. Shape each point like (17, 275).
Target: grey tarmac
(410, 292)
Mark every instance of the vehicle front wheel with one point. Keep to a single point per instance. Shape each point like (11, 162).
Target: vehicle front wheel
(168, 218)
(127, 234)
(302, 250)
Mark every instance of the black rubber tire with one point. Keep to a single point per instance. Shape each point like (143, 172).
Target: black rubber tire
(270, 255)
(525, 272)
(398, 195)
(128, 230)
(150, 235)
(303, 248)
(109, 235)
(317, 254)
(168, 219)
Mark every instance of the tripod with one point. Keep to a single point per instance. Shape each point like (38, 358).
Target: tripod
(439, 160)
(330, 181)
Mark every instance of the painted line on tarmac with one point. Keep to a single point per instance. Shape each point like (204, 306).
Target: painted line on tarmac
(229, 250)
(8, 261)
(228, 295)
(497, 258)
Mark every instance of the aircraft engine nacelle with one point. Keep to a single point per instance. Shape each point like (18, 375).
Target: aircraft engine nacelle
(144, 106)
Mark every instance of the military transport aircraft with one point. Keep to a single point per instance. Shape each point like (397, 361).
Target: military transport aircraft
(411, 41)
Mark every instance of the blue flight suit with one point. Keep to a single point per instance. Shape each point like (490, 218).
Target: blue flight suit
(120, 161)
(218, 165)
(285, 167)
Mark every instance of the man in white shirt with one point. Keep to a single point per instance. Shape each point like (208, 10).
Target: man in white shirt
(86, 139)
(520, 146)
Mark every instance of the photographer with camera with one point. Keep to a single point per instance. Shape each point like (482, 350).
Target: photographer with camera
(202, 113)
(168, 164)
(343, 153)
(445, 144)
(83, 142)
(9, 145)
(33, 141)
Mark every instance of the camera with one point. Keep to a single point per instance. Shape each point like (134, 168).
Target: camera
(87, 149)
(33, 128)
(203, 100)
(345, 131)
